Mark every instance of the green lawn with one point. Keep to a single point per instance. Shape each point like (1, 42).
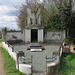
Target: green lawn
(67, 64)
(9, 64)
(0, 40)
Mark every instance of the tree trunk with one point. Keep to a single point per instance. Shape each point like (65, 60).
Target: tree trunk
(67, 32)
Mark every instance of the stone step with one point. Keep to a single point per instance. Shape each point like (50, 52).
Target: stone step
(39, 74)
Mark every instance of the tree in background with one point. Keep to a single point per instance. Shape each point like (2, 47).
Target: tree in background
(62, 19)
(67, 16)
(54, 8)
(72, 27)
(22, 18)
(55, 14)
(21, 21)
(46, 11)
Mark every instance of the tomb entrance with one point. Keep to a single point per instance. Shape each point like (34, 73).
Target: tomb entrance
(34, 35)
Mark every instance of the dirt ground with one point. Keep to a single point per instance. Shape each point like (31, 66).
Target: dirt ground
(0, 44)
(2, 72)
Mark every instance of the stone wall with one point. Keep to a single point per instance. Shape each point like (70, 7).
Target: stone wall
(53, 70)
(50, 36)
(15, 35)
(54, 37)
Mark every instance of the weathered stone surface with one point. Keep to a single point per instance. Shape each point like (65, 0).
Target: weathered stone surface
(40, 35)
(50, 37)
(55, 37)
(39, 58)
(34, 17)
(39, 74)
(14, 36)
(53, 70)
(27, 35)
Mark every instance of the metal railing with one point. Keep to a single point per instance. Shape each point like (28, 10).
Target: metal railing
(23, 59)
(13, 50)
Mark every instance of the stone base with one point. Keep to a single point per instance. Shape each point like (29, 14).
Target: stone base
(53, 70)
(39, 74)
(40, 36)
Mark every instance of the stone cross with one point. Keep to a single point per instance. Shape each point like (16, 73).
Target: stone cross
(34, 16)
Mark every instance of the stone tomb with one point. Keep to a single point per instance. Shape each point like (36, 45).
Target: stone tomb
(33, 35)
(34, 30)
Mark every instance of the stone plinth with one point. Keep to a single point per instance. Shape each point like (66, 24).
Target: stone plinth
(27, 35)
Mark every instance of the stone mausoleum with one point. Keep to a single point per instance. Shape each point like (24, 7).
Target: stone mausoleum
(34, 31)
(34, 58)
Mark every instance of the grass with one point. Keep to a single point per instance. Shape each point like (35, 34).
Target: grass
(67, 64)
(9, 64)
(0, 40)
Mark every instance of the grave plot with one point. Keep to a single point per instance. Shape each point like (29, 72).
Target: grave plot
(33, 58)
(34, 61)
(39, 58)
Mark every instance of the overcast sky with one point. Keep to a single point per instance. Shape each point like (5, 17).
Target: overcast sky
(7, 10)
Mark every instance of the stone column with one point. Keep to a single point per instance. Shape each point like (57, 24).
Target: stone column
(27, 35)
(40, 35)
(19, 56)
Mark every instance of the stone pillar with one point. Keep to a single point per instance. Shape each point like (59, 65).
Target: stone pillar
(27, 35)
(63, 35)
(19, 58)
(40, 35)
(3, 32)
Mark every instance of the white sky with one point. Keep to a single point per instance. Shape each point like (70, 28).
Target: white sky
(7, 10)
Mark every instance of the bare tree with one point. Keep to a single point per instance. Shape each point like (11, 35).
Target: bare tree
(48, 7)
(22, 18)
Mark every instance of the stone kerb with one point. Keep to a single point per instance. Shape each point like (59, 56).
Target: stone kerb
(9, 49)
(20, 63)
(52, 67)
(54, 60)
(25, 68)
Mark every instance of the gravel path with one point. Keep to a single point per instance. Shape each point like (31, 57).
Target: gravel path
(2, 72)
